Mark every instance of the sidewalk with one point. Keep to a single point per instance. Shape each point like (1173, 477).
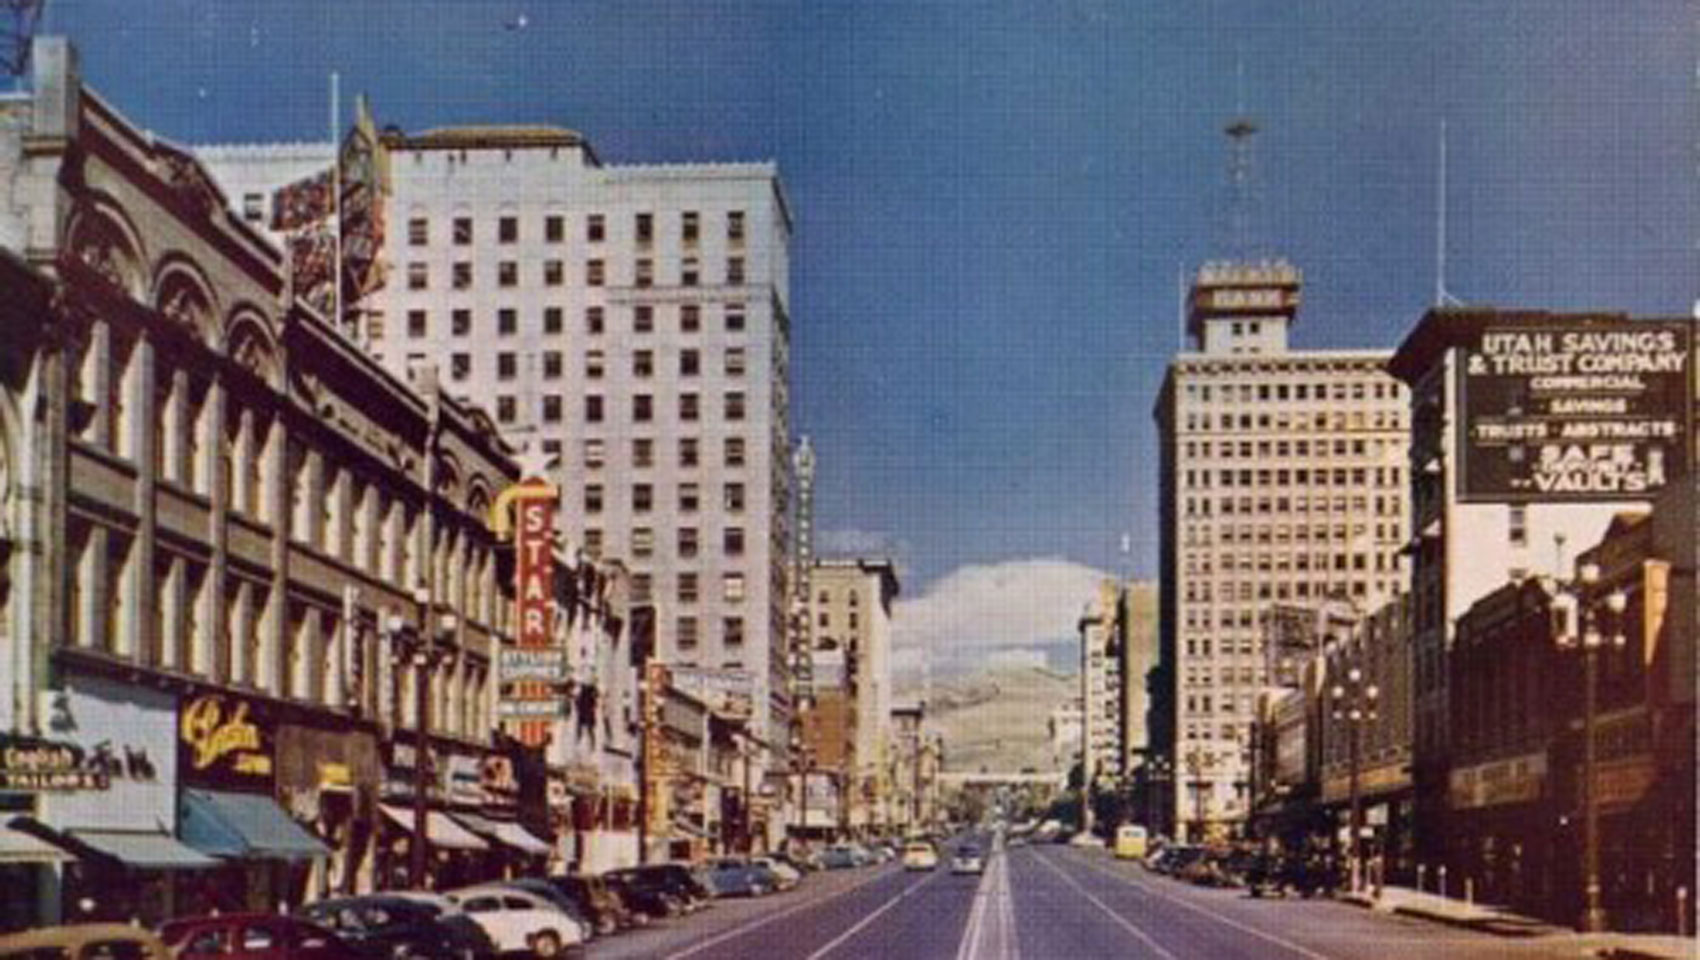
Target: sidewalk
(1498, 921)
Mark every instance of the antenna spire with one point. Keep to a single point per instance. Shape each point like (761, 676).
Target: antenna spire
(1240, 131)
(1442, 298)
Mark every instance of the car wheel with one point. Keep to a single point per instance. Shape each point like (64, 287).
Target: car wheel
(546, 945)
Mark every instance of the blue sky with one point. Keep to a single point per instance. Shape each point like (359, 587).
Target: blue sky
(993, 199)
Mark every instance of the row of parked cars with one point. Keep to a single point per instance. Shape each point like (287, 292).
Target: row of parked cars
(1259, 872)
(541, 916)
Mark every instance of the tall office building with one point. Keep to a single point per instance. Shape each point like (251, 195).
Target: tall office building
(631, 319)
(850, 611)
(1282, 482)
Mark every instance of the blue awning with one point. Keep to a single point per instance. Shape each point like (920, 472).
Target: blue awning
(151, 851)
(240, 826)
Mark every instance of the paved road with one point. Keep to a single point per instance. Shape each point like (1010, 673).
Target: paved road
(1051, 902)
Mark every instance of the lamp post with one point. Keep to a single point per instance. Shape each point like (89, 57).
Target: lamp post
(425, 656)
(1158, 769)
(1582, 632)
(1196, 763)
(1354, 703)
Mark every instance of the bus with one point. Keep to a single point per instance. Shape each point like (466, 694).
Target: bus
(1130, 842)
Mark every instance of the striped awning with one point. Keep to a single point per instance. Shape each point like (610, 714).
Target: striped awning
(440, 828)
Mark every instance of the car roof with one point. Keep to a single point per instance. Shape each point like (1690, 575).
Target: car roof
(79, 935)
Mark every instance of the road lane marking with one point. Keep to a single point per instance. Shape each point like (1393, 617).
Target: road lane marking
(1118, 918)
(1006, 899)
(1283, 942)
(986, 899)
(759, 922)
(903, 894)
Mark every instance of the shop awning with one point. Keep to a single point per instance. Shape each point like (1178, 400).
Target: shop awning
(243, 826)
(153, 851)
(17, 846)
(439, 828)
(506, 832)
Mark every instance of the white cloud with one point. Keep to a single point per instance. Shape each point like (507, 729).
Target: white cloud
(978, 609)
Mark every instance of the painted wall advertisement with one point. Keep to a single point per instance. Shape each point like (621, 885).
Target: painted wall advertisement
(1575, 410)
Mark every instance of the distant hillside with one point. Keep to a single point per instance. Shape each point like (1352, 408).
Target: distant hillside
(996, 718)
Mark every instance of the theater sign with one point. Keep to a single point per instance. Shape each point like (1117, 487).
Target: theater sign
(1575, 410)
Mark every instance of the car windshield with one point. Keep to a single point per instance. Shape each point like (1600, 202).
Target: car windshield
(968, 852)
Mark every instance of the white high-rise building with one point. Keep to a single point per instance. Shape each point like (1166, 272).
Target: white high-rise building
(1283, 481)
(632, 319)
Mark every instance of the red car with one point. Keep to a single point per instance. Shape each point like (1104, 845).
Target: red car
(252, 936)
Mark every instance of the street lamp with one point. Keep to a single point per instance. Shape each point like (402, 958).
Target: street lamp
(1583, 632)
(1354, 702)
(1158, 769)
(1196, 763)
(426, 654)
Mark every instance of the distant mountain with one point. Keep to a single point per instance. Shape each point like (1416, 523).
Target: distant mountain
(996, 718)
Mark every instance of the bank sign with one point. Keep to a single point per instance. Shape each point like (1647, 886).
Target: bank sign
(1575, 411)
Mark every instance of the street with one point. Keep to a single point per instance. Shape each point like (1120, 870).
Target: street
(1051, 901)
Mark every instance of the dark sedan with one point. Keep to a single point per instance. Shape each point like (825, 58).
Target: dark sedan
(392, 928)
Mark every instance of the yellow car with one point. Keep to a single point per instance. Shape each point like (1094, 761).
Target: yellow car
(919, 856)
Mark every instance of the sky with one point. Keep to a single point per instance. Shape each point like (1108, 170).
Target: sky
(994, 200)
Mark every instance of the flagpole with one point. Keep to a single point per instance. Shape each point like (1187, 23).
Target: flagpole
(336, 209)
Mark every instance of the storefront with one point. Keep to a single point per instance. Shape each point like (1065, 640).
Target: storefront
(227, 763)
(328, 781)
(455, 855)
(1504, 834)
(123, 834)
(29, 862)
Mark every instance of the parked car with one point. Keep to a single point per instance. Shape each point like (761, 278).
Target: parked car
(520, 921)
(968, 859)
(647, 902)
(838, 858)
(787, 875)
(1175, 858)
(556, 896)
(84, 941)
(382, 927)
(1265, 876)
(595, 900)
(674, 879)
(920, 855)
(733, 877)
(252, 936)
(1086, 838)
(805, 861)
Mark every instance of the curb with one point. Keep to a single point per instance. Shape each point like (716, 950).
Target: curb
(1489, 925)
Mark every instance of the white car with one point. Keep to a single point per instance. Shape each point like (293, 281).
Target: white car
(788, 875)
(520, 922)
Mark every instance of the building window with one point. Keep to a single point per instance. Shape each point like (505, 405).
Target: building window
(418, 232)
(551, 364)
(690, 498)
(687, 587)
(593, 320)
(690, 272)
(690, 451)
(593, 409)
(460, 322)
(732, 541)
(643, 497)
(596, 228)
(643, 318)
(733, 449)
(593, 273)
(734, 497)
(690, 227)
(645, 273)
(690, 318)
(593, 498)
(688, 542)
(507, 321)
(463, 231)
(732, 588)
(643, 452)
(593, 365)
(507, 274)
(686, 630)
(507, 230)
(254, 207)
(418, 276)
(734, 270)
(506, 409)
(554, 273)
(735, 406)
(416, 323)
(643, 541)
(690, 362)
(734, 318)
(593, 541)
(644, 228)
(735, 226)
(595, 453)
(732, 631)
(554, 228)
(553, 320)
(735, 361)
(643, 363)
(507, 366)
(690, 407)
(460, 366)
(643, 408)
(1518, 525)
(551, 408)
(461, 277)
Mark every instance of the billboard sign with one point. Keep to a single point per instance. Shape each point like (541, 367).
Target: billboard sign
(528, 672)
(1579, 410)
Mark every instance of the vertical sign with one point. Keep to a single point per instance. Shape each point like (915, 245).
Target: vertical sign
(529, 670)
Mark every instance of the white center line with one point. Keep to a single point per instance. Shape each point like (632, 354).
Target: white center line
(1118, 918)
(971, 934)
(739, 931)
(834, 943)
(1283, 942)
